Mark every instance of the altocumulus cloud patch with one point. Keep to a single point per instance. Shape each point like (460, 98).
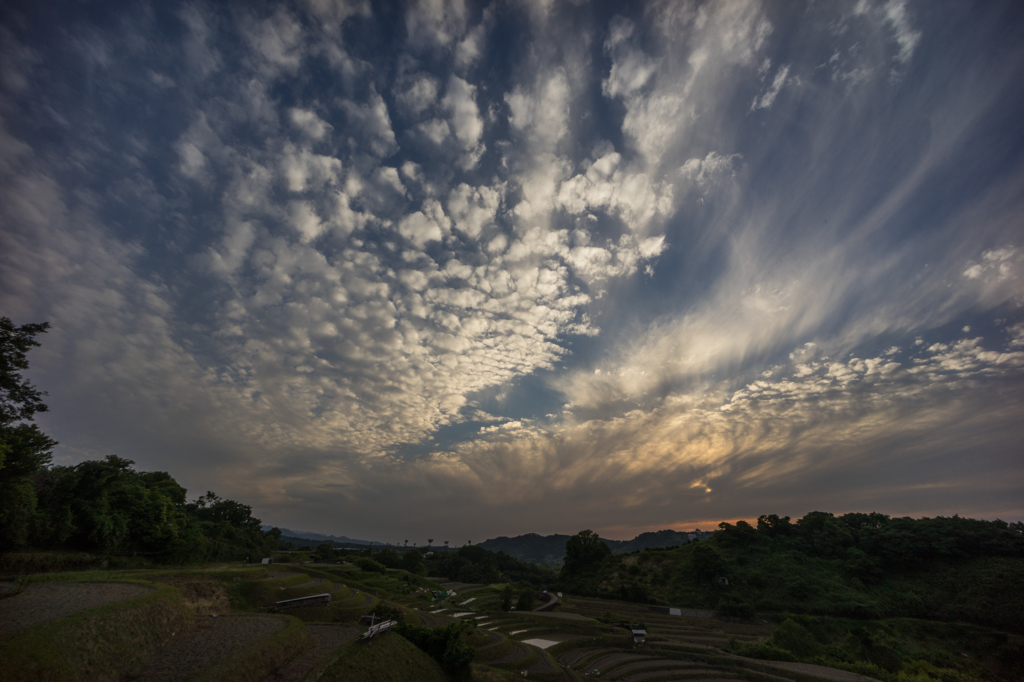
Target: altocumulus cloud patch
(285, 246)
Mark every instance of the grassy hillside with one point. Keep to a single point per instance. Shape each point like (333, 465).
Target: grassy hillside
(583, 633)
(390, 658)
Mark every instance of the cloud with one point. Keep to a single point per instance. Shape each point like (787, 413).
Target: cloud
(464, 116)
(767, 98)
(436, 23)
(419, 96)
(624, 192)
(308, 122)
(575, 283)
(473, 209)
(907, 38)
(279, 41)
(373, 122)
(419, 229)
(631, 68)
(472, 47)
(542, 111)
(304, 170)
(658, 116)
(712, 169)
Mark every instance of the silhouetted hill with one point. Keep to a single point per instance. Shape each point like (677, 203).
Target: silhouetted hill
(549, 550)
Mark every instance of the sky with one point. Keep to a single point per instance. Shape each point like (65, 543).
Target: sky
(457, 270)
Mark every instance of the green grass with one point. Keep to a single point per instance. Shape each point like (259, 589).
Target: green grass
(258, 594)
(100, 643)
(21, 563)
(389, 658)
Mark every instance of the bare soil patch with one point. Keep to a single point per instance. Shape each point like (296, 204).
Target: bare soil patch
(40, 603)
(326, 639)
(214, 639)
(204, 597)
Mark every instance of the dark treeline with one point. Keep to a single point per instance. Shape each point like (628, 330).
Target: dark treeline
(870, 543)
(473, 564)
(103, 506)
(469, 564)
(106, 507)
(855, 565)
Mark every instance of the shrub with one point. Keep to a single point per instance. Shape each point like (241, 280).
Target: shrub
(525, 602)
(766, 652)
(796, 638)
(441, 644)
(369, 565)
(734, 608)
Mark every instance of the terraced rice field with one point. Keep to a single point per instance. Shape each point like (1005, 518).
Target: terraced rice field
(567, 644)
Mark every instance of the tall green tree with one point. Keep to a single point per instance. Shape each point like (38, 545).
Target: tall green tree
(24, 449)
(584, 551)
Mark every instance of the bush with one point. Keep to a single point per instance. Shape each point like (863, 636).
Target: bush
(734, 608)
(525, 602)
(796, 638)
(442, 644)
(369, 565)
(767, 652)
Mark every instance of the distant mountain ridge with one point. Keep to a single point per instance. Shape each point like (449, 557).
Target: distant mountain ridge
(320, 537)
(547, 550)
(550, 549)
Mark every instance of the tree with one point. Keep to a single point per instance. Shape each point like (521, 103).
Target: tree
(583, 551)
(506, 598)
(19, 399)
(412, 562)
(706, 563)
(774, 526)
(526, 600)
(388, 557)
(24, 449)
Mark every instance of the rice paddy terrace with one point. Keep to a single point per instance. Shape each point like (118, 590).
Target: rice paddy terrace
(223, 624)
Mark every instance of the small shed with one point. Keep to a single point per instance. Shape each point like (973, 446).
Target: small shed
(639, 636)
(723, 581)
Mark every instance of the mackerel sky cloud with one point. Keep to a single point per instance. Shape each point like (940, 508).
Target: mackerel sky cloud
(463, 269)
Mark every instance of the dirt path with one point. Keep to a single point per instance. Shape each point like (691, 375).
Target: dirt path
(40, 603)
(327, 638)
(213, 640)
(819, 671)
(519, 652)
(544, 663)
(623, 671)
